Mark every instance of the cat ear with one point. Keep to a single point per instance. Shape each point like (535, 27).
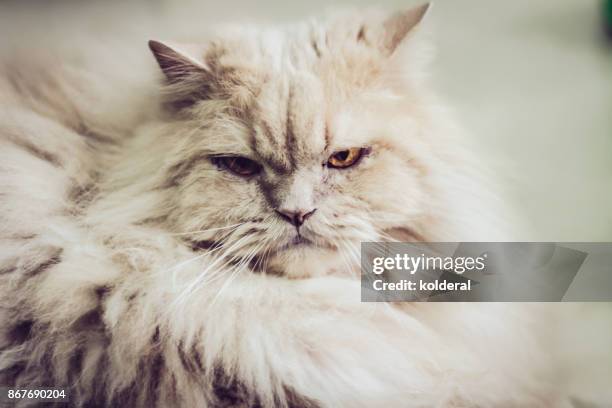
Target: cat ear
(405, 41)
(175, 62)
(397, 27)
(188, 77)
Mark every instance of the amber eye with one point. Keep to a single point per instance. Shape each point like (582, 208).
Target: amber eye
(239, 165)
(345, 158)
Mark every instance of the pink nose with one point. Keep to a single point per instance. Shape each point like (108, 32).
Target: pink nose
(295, 217)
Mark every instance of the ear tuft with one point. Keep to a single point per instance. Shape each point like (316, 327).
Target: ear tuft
(400, 24)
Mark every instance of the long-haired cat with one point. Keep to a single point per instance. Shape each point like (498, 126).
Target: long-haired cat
(191, 239)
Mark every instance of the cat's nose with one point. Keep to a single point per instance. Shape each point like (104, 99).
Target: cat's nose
(295, 217)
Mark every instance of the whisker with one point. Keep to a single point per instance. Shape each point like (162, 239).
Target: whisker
(205, 276)
(352, 253)
(239, 269)
(209, 230)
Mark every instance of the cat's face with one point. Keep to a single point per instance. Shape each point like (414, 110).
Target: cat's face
(291, 146)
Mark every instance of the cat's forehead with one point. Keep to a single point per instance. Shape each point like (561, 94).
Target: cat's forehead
(297, 82)
(290, 120)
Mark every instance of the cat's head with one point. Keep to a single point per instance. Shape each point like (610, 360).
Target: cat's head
(289, 147)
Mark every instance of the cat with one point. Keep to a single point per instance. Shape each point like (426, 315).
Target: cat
(189, 236)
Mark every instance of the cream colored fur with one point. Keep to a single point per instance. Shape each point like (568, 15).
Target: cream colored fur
(103, 292)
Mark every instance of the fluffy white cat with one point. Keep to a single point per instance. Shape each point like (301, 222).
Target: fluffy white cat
(191, 239)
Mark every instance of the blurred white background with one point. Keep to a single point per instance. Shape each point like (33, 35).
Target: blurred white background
(531, 81)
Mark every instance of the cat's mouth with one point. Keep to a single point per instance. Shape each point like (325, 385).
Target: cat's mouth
(295, 248)
(298, 241)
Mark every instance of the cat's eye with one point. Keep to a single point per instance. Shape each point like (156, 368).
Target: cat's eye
(345, 158)
(238, 165)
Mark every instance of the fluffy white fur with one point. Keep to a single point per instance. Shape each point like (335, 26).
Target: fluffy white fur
(104, 289)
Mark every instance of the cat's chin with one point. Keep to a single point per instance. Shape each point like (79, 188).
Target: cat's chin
(305, 260)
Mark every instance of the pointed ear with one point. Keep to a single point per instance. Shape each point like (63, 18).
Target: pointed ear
(188, 78)
(398, 25)
(175, 62)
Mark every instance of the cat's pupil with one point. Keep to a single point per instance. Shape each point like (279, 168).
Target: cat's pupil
(343, 155)
(240, 165)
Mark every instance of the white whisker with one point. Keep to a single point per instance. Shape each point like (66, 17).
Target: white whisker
(208, 230)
